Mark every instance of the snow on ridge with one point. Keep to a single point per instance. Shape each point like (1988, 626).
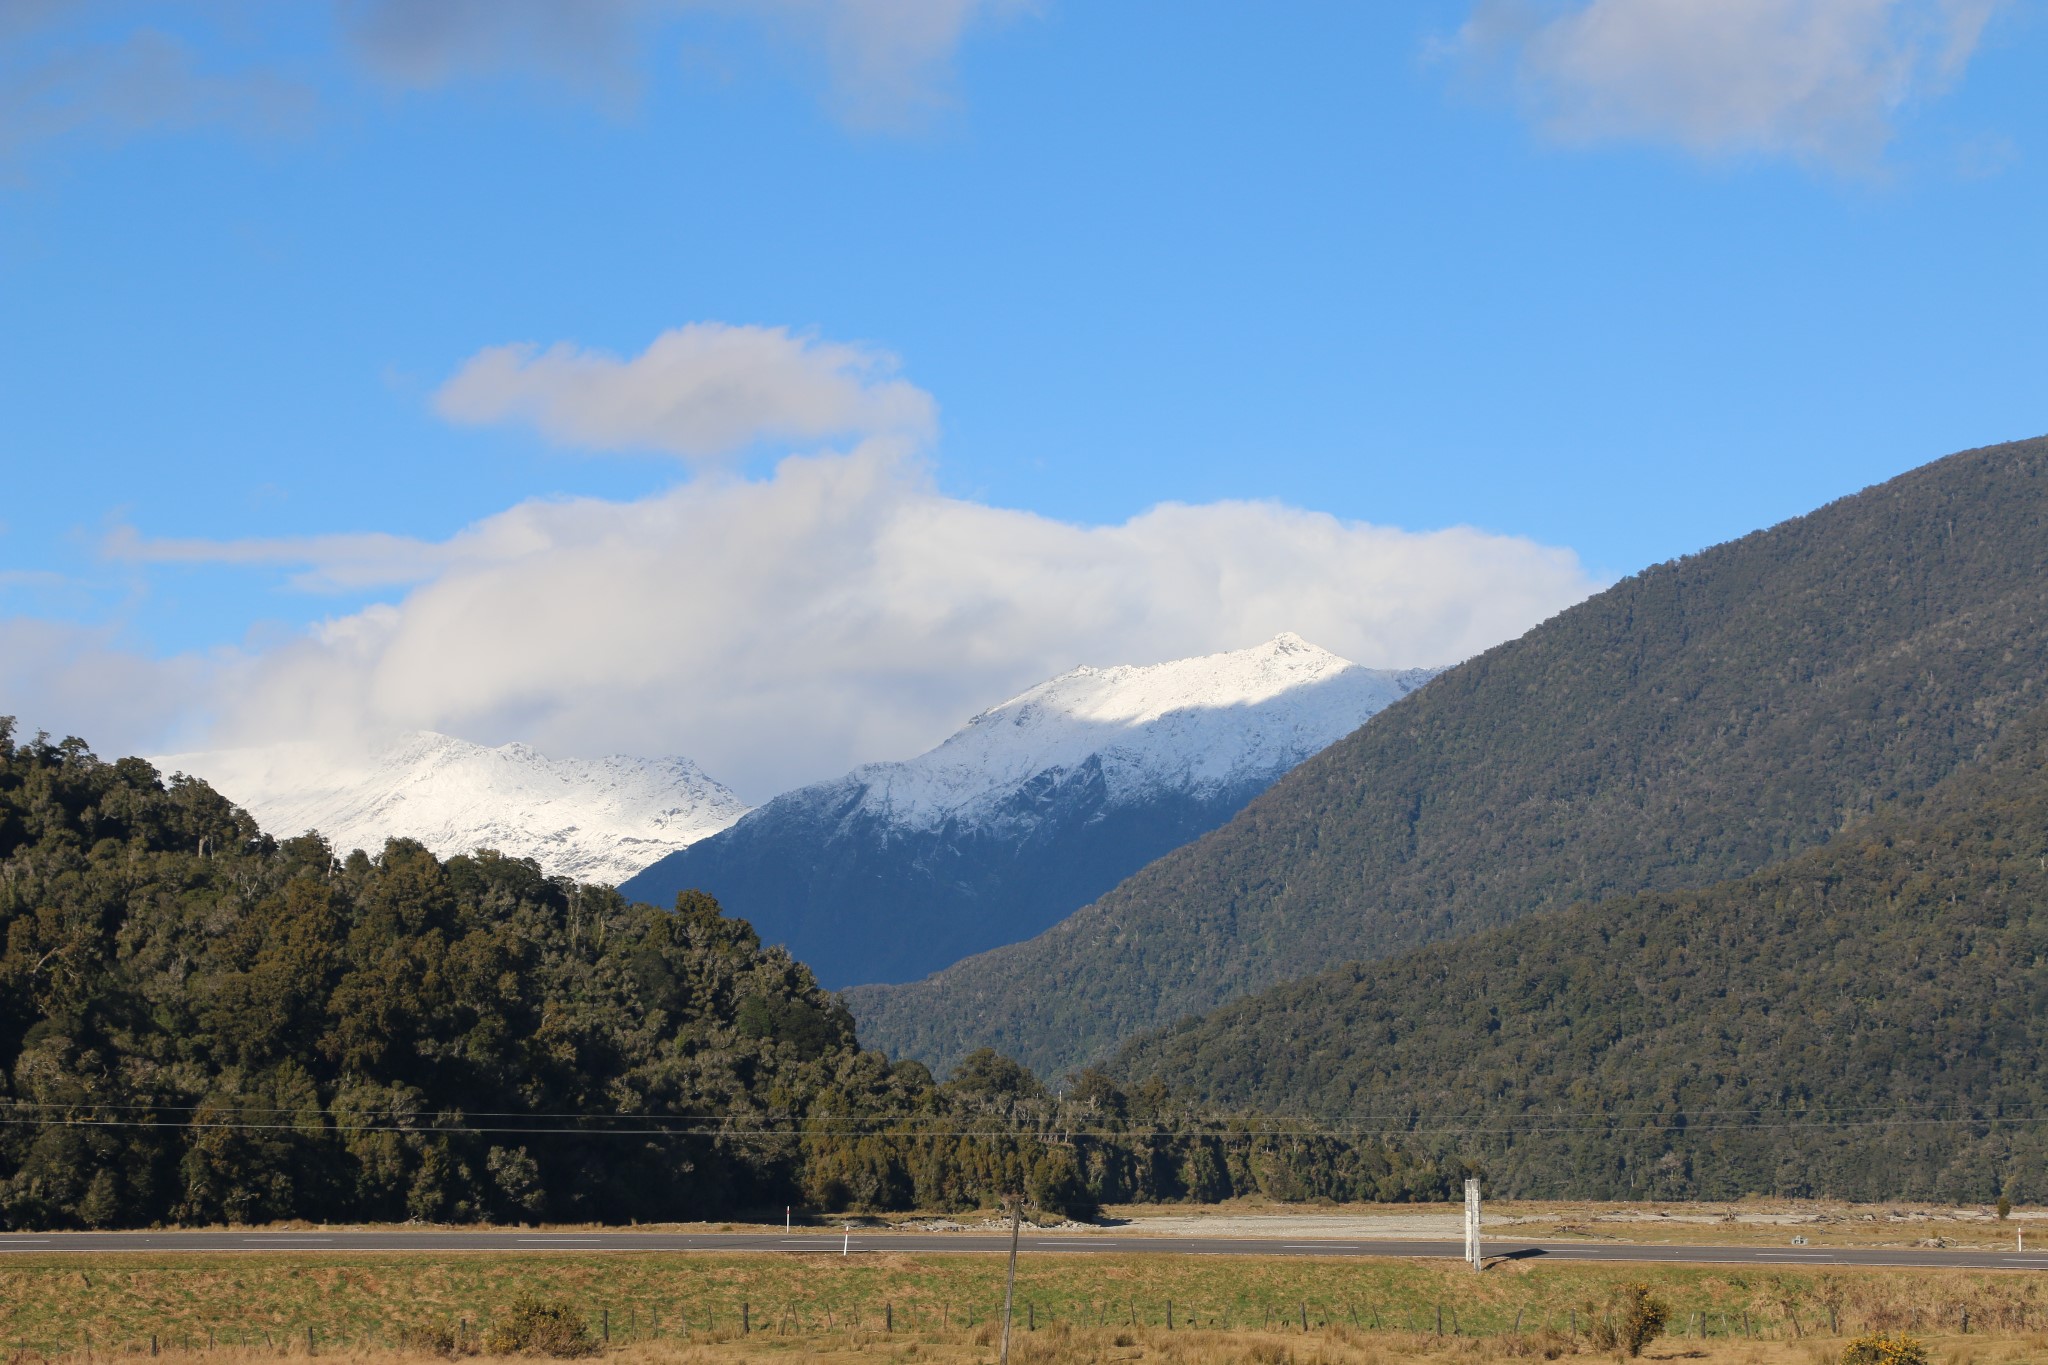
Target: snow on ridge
(1198, 725)
(597, 820)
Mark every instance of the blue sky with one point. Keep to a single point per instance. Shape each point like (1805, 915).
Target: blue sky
(1612, 279)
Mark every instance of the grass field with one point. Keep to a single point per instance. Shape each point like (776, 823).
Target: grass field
(1748, 1222)
(697, 1306)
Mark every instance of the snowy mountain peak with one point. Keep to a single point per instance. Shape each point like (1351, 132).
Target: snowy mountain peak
(1197, 725)
(597, 820)
(1031, 810)
(1137, 694)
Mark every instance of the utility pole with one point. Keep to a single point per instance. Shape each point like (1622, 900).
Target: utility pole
(1472, 1225)
(1010, 1284)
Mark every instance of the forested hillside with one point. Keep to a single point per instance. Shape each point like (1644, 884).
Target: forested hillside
(1867, 1020)
(199, 1023)
(1693, 723)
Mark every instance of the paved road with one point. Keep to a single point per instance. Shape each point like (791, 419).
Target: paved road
(834, 1243)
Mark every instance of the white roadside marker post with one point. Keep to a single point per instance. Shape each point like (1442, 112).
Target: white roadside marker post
(1472, 1224)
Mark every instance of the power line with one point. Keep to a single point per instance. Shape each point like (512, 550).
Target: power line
(1307, 1123)
(1057, 1134)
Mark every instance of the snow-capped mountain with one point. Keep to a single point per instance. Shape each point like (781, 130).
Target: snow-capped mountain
(597, 820)
(1027, 813)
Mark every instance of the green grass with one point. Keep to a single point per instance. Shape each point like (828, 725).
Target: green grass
(65, 1303)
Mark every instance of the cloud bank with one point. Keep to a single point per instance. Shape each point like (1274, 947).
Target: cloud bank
(842, 610)
(778, 629)
(1814, 80)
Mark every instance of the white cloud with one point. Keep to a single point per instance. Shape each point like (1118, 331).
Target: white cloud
(112, 70)
(842, 610)
(58, 80)
(333, 563)
(884, 60)
(1815, 80)
(701, 390)
(78, 680)
(887, 60)
(426, 43)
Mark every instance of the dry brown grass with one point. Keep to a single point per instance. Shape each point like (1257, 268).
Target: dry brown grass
(218, 1309)
(1067, 1345)
(1747, 1222)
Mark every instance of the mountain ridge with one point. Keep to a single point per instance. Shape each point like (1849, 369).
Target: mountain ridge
(1694, 722)
(1035, 806)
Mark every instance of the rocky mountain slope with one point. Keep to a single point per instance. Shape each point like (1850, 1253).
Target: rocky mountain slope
(1696, 722)
(1032, 809)
(595, 820)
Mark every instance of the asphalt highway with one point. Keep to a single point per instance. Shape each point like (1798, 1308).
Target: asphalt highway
(823, 1243)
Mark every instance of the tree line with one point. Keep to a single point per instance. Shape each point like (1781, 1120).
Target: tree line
(203, 1023)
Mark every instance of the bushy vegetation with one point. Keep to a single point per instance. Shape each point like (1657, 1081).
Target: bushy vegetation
(1631, 1320)
(540, 1327)
(1883, 1348)
(200, 1023)
(1696, 722)
(1867, 1020)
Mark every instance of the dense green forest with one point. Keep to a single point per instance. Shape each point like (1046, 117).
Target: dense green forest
(1698, 721)
(200, 1023)
(1866, 1020)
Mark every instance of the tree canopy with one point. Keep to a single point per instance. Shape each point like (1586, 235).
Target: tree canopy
(200, 1023)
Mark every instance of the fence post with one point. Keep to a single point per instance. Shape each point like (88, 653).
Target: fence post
(888, 1317)
(1010, 1282)
(746, 1317)
(605, 1316)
